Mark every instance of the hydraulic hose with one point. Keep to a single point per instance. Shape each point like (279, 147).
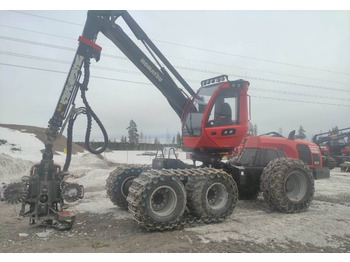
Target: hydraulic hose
(69, 142)
(90, 114)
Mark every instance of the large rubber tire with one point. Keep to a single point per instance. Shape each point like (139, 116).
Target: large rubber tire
(287, 185)
(158, 202)
(119, 182)
(215, 197)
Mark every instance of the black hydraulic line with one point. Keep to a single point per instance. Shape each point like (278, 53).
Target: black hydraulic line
(91, 114)
(69, 143)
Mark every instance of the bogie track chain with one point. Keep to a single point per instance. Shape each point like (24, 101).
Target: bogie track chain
(141, 185)
(119, 173)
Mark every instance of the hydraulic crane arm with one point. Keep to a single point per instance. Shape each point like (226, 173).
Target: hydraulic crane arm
(159, 77)
(105, 22)
(331, 135)
(140, 34)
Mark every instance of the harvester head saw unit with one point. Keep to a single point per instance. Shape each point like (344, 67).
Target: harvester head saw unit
(44, 197)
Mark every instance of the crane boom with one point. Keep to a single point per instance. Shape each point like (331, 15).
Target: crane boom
(104, 21)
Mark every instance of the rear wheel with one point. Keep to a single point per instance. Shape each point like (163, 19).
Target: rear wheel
(214, 197)
(119, 182)
(287, 185)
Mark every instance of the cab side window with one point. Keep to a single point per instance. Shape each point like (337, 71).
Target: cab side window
(224, 109)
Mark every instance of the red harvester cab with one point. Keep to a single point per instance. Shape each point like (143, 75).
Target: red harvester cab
(216, 119)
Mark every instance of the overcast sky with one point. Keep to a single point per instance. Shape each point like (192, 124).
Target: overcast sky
(297, 62)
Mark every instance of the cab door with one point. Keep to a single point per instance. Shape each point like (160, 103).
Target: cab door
(225, 121)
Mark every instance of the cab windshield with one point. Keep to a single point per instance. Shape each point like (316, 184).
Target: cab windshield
(194, 112)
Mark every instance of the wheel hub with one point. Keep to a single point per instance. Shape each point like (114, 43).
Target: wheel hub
(163, 201)
(126, 185)
(160, 199)
(296, 186)
(217, 196)
(212, 195)
(290, 186)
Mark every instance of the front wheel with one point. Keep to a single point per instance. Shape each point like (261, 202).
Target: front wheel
(287, 185)
(157, 199)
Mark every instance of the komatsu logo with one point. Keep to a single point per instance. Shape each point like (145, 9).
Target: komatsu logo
(151, 70)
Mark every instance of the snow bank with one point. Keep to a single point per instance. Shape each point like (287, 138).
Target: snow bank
(20, 145)
(12, 169)
(18, 153)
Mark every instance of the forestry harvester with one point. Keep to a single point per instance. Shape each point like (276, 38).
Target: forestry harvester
(334, 145)
(172, 193)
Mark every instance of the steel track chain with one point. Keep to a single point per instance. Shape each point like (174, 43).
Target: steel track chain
(273, 192)
(114, 175)
(139, 187)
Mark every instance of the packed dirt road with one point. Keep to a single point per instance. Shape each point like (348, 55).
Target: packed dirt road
(102, 227)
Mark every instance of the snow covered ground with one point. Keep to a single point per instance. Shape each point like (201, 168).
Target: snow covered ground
(21, 145)
(325, 224)
(21, 150)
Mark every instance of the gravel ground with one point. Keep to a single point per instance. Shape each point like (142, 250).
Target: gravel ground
(102, 227)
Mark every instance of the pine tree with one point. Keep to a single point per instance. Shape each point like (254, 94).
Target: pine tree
(156, 141)
(335, 130)
(141, 137)
(167, 137)
(178, 140)
(301, 133)
(280, 131)
(133, 133)
(253, 129)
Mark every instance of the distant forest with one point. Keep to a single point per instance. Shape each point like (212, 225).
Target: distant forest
(129, 146)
